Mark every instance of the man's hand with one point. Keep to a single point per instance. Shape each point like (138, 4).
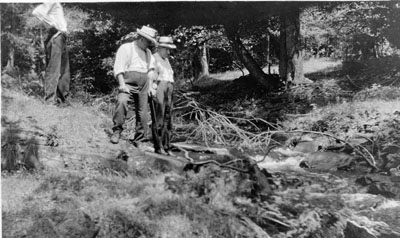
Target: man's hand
(153, 89)
(123, 88)
(152, 92)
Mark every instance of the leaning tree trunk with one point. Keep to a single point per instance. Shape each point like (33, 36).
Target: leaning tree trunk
(248, 61)
(204, 61)
(200, 63)
(291, 54)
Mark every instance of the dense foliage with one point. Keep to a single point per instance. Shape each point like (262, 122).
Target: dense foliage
(351, 31)
(16, 43)
(190, 41)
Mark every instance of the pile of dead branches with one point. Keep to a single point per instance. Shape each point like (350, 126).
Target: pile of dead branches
(217, 129)
(214, 128)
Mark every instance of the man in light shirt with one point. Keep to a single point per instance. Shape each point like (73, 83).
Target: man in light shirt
(57, 76)
(163, 97)
(134, 69)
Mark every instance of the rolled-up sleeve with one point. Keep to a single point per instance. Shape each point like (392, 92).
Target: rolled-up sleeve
(121, 59)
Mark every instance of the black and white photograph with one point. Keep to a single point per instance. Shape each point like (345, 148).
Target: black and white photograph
(200, 119)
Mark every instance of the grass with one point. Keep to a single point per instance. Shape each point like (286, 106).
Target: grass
(348, 118)
(311, 65)
(75, 127)
(123, 207)
(15, 189)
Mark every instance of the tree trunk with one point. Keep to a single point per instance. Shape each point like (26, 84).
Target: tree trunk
(291, 54)
(268, 53)
(200, 63)
(11, 58)
(248, 61)
(10, 68)
(283, 57)
(204, 61)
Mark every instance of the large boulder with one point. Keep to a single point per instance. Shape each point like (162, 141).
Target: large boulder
(328, 161)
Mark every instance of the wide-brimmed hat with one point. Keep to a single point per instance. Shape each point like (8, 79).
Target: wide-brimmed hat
(167, 42)
(148, 33)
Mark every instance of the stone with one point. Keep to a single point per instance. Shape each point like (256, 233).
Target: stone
(329, 161)
(307, 147)
(383, 189)
(353, 230)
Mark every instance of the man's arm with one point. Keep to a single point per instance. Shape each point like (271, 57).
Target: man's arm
(152, 74)
(119, 67)
(122, 86)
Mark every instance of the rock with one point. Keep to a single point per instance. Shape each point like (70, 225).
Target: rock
(395, 178)
(353, 230)
(307, 147)
(390, 235)
(357, 141)
(254, 229)
(328, 161)
(383, 189)
(362, 201)
(391, 157)
(365, 180)
(175, 184)
(379, 185)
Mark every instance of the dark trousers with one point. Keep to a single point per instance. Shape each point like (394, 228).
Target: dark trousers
(57, 77)
(138, 86)
(163, 109)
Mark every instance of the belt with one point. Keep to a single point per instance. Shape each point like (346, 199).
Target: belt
(57, 34)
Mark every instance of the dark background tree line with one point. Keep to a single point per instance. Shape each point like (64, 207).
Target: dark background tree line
(211, 37)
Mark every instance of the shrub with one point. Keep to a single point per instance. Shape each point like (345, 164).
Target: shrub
(376, 91)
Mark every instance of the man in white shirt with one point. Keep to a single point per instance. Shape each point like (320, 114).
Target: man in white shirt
(57, 76)
(134, 69)
(163, 97)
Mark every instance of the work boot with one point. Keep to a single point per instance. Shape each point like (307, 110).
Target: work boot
(115, 137)
(161, 151)
(66, 103)
(139, 137)
(51, 102)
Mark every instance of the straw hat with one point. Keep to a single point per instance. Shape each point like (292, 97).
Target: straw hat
(148, 33)
(167, 42)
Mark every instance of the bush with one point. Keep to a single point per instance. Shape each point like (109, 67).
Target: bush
(321, 93)
(376, 91)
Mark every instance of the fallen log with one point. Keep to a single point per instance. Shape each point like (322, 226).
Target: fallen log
(200, 148)
(175, 160)
(258, 231)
